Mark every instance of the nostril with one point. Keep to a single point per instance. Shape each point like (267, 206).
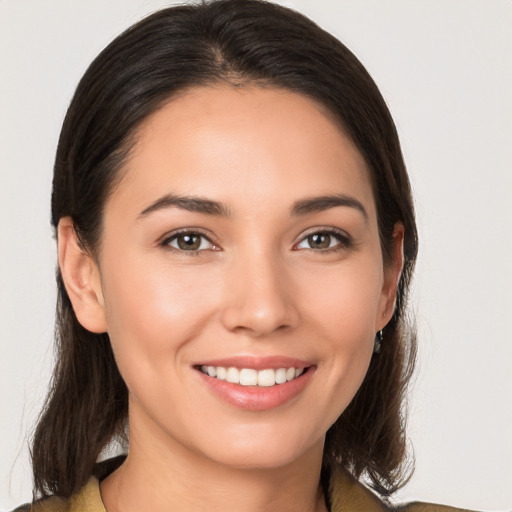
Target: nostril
(255, 320)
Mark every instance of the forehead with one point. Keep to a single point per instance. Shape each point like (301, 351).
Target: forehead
(232, 144)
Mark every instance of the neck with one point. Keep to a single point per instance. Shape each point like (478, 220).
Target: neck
(162, 475)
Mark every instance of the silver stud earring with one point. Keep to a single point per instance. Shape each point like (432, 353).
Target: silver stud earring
(377, 346)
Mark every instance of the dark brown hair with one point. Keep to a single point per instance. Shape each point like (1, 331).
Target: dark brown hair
(237, 42)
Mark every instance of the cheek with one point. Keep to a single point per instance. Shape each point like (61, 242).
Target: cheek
(152, 310)
(342, 316)
(346, 299)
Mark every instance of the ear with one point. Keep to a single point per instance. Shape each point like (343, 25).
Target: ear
(392, 274)
(81, 278)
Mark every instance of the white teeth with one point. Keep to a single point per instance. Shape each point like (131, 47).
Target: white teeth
(266, 378)
(290, 374)
(233, 375)
(281, 376)
(250, 377)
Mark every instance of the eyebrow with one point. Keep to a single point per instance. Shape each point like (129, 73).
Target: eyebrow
(321, 203)
(189, 203)
(210, 207)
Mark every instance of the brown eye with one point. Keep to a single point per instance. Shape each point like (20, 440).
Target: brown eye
(324, 241)
(319, 241)
(191, 242)
(188, 242)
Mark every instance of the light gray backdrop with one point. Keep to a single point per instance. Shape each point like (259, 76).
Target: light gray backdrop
(445, 68)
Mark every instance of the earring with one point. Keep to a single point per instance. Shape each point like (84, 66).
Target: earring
(377, 346)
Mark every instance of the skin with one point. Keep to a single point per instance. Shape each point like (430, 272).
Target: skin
(258, 287)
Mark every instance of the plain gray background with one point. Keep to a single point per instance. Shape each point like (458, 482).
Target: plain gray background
(445, 69)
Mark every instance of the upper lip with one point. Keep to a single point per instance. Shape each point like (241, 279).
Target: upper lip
(256, 362)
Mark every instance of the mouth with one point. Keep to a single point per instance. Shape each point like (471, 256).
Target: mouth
(265, 378)
(256, 384)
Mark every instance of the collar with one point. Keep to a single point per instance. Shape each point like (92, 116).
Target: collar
(346, 495)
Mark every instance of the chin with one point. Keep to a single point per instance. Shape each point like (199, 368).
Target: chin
(263, 453)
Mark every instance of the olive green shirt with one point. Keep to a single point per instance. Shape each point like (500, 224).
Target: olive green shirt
(346, 495)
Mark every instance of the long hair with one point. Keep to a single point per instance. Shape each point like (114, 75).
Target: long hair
(236, 42)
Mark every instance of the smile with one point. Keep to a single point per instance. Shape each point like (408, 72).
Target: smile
(250, 377)
(256, 383)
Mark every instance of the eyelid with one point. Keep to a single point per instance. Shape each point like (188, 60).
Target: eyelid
(345, 240)
(165, 239)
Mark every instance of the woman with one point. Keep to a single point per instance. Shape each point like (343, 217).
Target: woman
(236, 239)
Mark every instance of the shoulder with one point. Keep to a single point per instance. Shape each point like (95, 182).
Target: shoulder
(347, 493)
(429, 507)
(51, 504)
(88, 499)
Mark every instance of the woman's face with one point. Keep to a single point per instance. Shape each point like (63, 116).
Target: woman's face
(242, 242)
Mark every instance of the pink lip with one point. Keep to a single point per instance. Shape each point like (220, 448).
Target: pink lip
(255, 398)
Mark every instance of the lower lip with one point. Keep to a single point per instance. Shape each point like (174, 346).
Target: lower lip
(257, 398)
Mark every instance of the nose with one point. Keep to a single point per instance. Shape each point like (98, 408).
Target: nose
(259, 298)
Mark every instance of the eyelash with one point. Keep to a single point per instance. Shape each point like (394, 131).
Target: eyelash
(165, 243)
(344, 241)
